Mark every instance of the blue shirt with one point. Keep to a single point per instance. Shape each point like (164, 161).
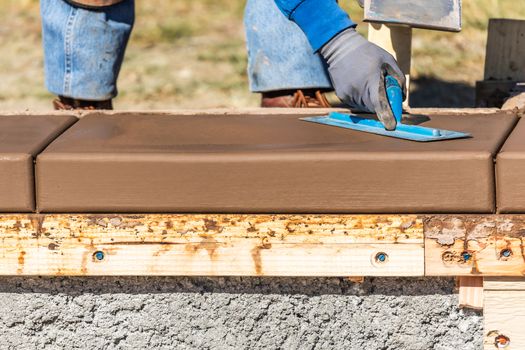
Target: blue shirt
(320, 20)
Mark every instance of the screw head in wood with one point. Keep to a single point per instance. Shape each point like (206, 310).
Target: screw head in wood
(98, 255)
(506, 253)
(381, 257)
(466, 256)
(502, 341)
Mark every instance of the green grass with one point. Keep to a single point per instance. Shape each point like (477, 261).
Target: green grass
(190, 53)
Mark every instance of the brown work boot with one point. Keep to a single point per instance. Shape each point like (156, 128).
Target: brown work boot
(66, 103)
(307, 98)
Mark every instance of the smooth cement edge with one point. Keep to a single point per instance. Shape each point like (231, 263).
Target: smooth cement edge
(189, 113)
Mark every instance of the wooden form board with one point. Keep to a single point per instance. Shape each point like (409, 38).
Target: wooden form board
(212, 245)
(262, 245)
(463, 245)
(505, 50)
(504, 313)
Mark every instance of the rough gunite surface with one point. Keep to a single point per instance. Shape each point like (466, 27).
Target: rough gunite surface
(234, 313)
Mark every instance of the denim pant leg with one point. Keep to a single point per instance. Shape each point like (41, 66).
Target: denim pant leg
(84, 49)
(279, 55)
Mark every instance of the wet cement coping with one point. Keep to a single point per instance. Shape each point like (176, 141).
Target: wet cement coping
(510, 172)
(22, 137)
(266, 163)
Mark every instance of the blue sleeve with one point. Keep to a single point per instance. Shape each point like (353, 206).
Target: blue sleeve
(320, 20)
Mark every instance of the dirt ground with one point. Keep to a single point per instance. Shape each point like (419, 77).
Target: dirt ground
(191, 54)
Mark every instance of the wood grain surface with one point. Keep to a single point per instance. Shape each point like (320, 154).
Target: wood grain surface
(211, 245)
(504, 313)
(463, 245)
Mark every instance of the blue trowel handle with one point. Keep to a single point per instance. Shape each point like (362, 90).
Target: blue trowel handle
(395, 96)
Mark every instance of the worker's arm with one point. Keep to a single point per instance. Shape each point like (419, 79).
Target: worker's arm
(320, 20)
(357, 67)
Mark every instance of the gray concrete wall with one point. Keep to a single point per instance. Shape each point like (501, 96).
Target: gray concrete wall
(234, 313)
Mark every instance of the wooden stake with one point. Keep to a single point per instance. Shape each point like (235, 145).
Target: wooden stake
(471, 292)
(505, 50)
(397, 40)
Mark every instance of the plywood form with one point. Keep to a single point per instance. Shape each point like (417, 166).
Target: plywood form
(211, 245)
(21, 139)
(265, 163)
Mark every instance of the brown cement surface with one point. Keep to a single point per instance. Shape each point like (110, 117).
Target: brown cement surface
(510, 172)
(21, 139)
(141, 163)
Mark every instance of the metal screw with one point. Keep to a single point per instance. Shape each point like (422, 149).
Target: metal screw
(99, 255)
(466, 256)
(502, 341)
(506, 253)
(381, 257)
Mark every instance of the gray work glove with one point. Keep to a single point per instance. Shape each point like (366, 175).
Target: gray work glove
(358, 69)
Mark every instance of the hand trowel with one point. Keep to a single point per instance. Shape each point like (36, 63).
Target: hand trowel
(402, 131)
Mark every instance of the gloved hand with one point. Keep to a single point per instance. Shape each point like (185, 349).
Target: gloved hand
(358, 69)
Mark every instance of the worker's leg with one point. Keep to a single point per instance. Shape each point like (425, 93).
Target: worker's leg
(280, 59)
(84, 49)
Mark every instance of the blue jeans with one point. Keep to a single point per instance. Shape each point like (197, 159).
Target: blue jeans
(279, 55)
(84, 49)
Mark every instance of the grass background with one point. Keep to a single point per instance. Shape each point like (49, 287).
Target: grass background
(191, 54)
